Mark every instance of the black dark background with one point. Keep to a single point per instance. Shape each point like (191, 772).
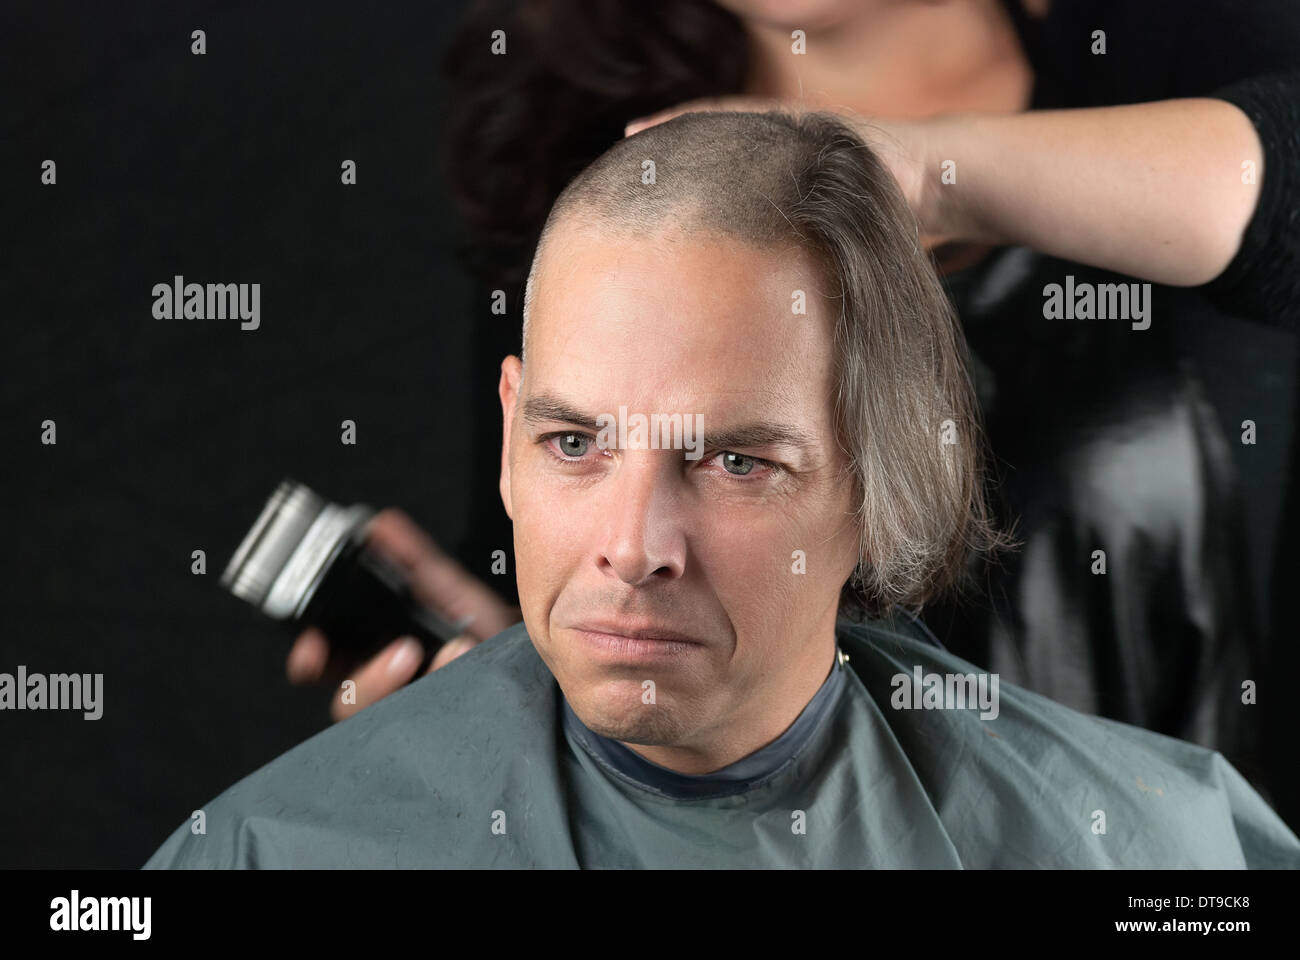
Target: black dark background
(225, 168)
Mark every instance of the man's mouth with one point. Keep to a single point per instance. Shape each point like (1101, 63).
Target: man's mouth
(635, 630)
(641, 641)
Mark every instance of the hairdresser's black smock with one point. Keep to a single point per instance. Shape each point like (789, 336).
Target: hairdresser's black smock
(1107, 438)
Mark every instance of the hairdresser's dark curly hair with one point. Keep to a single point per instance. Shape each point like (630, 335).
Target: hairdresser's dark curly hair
(574, 73)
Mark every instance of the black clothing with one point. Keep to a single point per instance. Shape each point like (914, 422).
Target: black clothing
(1121, 440)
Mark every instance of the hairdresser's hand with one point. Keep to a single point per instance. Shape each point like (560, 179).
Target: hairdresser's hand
(709, 104)
(904, 146)
(437, 581)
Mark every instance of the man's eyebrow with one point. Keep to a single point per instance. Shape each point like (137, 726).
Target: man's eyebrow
(546, 406)
(549, 407)
(759, 434)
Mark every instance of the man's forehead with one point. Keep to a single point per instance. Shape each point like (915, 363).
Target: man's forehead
(581, 257)
(689, 298)
(682, 321)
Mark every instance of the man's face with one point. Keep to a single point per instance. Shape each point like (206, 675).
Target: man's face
(611, 540)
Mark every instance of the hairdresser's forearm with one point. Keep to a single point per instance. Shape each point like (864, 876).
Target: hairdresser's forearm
(1151, 190)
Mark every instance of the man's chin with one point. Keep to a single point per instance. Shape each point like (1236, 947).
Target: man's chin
(620, 710)
(645, 731)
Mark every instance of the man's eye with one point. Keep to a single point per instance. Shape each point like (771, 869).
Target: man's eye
(738, 463)
(570, 447)
(570, 444)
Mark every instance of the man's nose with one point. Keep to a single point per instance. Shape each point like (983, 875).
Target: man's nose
(645, 531)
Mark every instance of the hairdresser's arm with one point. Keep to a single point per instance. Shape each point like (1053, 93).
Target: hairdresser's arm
(1151, 190)
(1155, 190)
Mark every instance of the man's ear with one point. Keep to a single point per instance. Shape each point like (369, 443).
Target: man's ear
(508, 389)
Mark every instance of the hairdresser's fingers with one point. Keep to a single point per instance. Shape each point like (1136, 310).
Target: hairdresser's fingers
(451, 650)
(308, 657)
(437, 579)
(643, 123)
(916, 153)
(386, 672)
(706, 105)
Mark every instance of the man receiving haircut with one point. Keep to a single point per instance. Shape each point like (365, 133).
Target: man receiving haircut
(716, 665)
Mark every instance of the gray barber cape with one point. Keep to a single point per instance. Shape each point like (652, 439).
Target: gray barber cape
(476, 765)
